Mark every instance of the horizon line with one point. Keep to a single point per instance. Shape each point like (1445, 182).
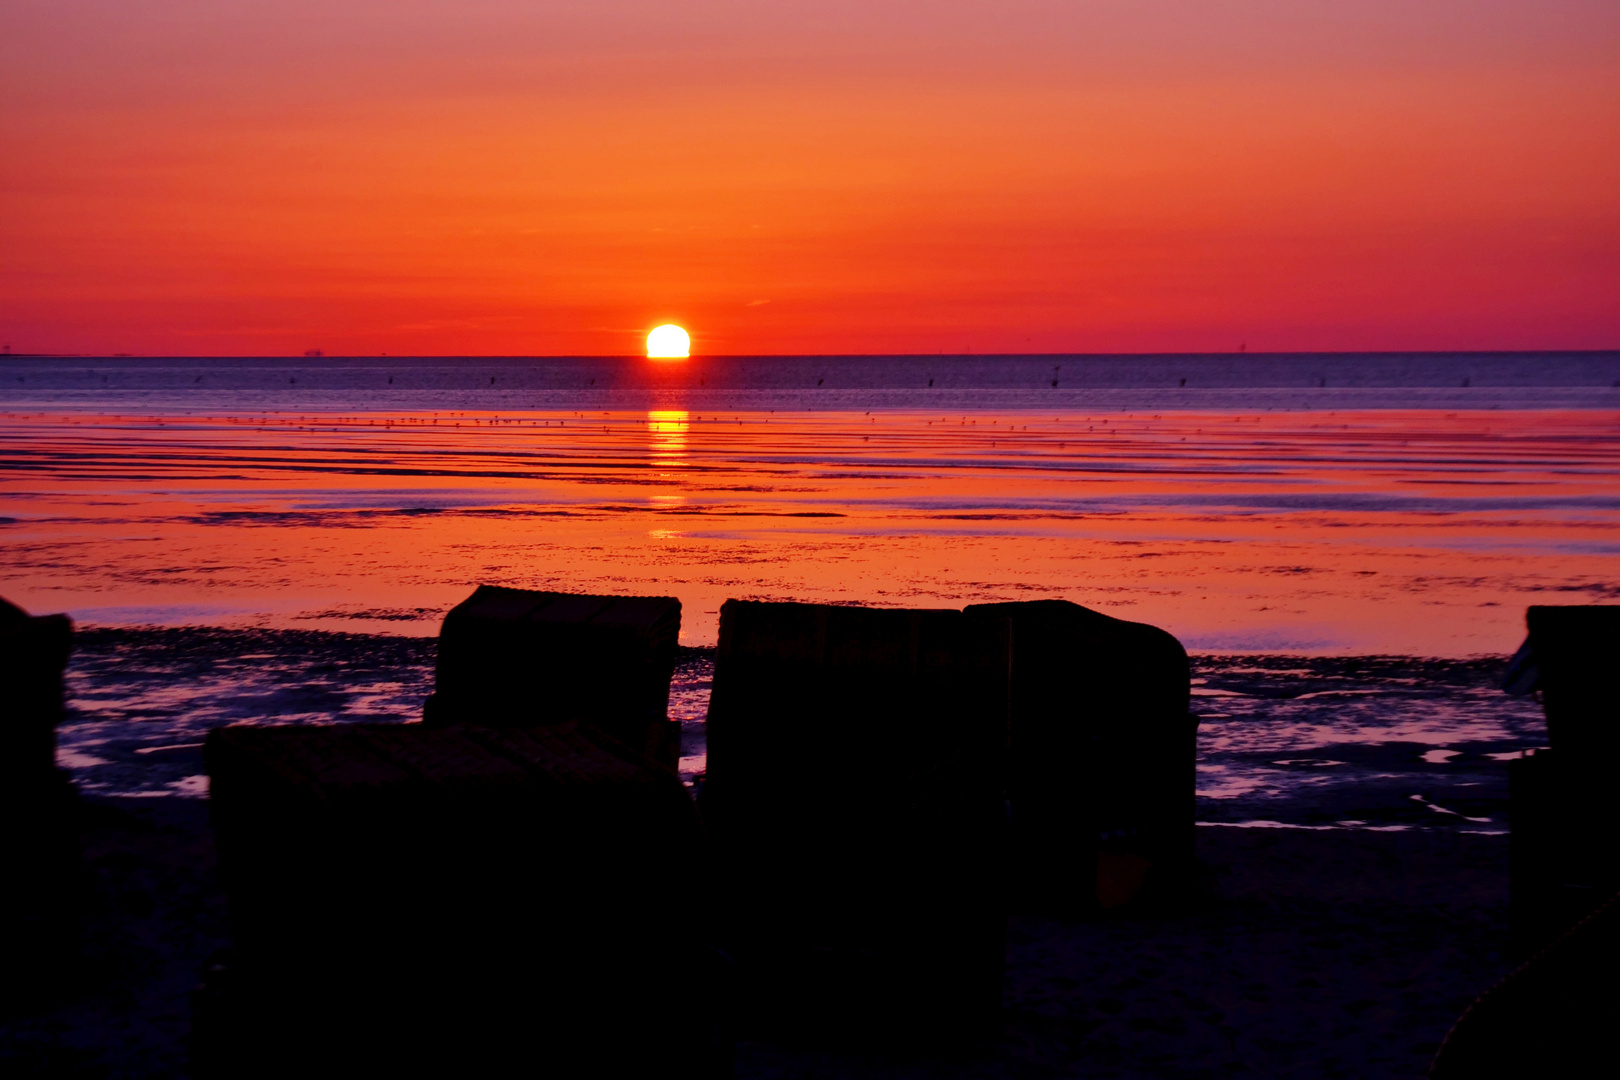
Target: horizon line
(797, 356)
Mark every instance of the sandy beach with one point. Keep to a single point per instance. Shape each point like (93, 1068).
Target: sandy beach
(1302, 954)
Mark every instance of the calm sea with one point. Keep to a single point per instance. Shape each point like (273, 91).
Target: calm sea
(1558, 380)
(1346, 542)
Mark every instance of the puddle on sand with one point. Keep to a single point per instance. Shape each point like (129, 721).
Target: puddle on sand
(1360, 742)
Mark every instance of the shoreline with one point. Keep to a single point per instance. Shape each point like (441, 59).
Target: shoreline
(1368, 742)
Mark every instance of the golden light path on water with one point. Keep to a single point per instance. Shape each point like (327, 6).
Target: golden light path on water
(1417, 532)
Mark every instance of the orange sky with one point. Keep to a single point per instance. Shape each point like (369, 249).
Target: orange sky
(505, 177)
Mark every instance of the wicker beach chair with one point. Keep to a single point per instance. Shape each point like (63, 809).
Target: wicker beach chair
(516, 658)
(39, 816)
(1566, 822)
(854, 795)
(1103, 754)
(454, 901)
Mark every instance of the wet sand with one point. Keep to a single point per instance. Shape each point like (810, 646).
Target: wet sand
(1326, 532)
(1325, 742)
(1309, 954)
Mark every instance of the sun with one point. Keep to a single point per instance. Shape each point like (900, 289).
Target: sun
(668, 342)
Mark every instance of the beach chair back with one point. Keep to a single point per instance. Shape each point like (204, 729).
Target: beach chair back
(39, 809)
(515, 657)
(854, 793)
(1101, 773)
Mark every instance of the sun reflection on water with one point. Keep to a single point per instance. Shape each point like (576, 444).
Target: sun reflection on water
(668, 429)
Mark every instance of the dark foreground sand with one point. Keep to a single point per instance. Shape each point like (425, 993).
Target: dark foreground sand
(1331, 954)
(1309, 954)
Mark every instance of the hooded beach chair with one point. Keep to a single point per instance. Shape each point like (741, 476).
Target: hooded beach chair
(854, 797)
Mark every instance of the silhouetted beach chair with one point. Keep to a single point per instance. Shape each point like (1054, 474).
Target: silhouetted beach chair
(1101, 772)
(454, 901)
(1566, 820)
(854, 795)
(517, 658)
(39, 816)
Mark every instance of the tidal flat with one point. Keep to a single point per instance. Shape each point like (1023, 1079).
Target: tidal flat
(1351, 896)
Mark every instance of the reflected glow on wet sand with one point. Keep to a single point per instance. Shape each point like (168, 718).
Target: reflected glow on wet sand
(1418, 532)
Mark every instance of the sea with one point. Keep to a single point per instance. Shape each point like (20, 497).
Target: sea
(1345, 543)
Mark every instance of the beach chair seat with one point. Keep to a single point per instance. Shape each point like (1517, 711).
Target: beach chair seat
(854, 796)
(1101, 768)
(455, 901)
(514, 657)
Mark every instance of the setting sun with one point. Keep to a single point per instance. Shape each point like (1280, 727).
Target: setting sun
(668, 342)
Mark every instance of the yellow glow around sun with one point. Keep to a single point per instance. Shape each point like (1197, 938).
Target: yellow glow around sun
(668, 342)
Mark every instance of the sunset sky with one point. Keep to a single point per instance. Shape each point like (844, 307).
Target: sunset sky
(504, 177)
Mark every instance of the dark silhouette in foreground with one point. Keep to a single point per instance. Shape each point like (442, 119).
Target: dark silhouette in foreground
(516, 658)
(863, 900)
(1344, 952)
(39, 813)
(1556, 1014)
(1566, 820)
(523, 874)
(868, 901)
(454, 901)
(1102, 758)
(515, 883)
